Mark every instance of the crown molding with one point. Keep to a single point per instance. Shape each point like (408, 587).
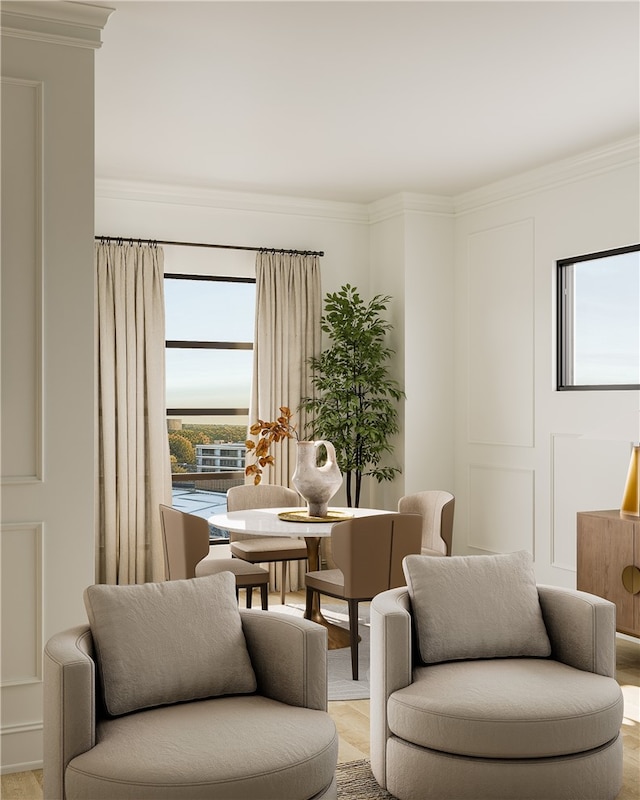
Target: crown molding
(55, 22)
(586, 165)
(229, 200)
(398, 204)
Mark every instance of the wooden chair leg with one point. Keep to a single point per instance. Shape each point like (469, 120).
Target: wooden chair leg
(283, 580)
(353, 636)
(309, 604)
(264, 596)
(249, 591)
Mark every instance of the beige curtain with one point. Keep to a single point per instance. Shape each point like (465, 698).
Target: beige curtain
(287, 333)
(133, 469)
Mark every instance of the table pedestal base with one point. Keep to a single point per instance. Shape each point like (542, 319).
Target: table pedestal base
(338, 636)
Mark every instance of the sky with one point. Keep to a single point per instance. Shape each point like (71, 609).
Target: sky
(607, 320)
(209, 311)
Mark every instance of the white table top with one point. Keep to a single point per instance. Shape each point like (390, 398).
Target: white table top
(265, 521)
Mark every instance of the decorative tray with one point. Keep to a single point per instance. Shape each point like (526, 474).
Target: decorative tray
(303, 516)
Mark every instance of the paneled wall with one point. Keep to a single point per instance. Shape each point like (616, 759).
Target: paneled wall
(47, 532)
(528, 457)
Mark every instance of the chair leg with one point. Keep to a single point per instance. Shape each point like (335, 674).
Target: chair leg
(309, 603)
(353, 636)
(249, 591)
(283, 580)
(264, 596)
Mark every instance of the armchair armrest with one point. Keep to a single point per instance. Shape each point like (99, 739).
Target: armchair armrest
(581, 627)
(391, 666)
(289, 657)
(69, 704)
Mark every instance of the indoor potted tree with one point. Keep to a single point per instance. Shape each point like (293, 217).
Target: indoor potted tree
(355, 403)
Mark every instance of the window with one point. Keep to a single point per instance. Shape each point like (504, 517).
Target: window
(209, 362)
(599, 320)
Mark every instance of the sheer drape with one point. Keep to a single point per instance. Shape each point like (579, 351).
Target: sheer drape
(287, 334)
(133, 469)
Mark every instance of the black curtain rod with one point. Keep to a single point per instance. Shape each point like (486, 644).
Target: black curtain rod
(134, 240)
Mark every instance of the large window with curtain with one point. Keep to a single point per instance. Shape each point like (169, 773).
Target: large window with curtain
(209, 329)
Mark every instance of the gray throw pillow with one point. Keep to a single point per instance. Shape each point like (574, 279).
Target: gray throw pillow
(159, 643)
(468, 607)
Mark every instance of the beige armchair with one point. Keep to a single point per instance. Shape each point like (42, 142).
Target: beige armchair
(174, 692)
(450, 722)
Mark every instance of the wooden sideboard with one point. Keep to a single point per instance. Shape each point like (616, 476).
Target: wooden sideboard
(609, 563)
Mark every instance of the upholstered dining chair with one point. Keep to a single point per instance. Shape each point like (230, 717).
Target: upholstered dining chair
(173, 692)
(436, 508)
(186, 551)
(487, 686)
(265, 549)
(368, 552)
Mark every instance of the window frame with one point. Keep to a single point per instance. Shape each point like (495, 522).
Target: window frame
(565, 321)
(187, 344)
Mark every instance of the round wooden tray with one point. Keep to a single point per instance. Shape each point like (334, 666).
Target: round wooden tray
(303, 516)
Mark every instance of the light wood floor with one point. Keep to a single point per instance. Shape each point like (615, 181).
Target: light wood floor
(352, 720)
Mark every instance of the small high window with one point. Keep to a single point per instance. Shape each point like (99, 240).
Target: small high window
(599, 320)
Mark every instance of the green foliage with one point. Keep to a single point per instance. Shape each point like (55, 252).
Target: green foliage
(182, 449)
(213, 433)
(195, 436)
(355, 404)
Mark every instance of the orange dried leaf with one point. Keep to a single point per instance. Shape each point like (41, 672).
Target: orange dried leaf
(262, 448)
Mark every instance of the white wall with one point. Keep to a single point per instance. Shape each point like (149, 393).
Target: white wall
(412, 261)
(47, 534)
(526, 456)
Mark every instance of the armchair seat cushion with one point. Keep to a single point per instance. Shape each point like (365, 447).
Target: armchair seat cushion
(507, 708)
(199, 750)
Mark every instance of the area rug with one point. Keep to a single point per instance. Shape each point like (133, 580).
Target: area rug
(341, 685)
(356, 782)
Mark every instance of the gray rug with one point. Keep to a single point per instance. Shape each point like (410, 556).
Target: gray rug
(341, 685)
(356, 782)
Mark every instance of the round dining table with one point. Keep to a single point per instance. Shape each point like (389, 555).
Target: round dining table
(269, 522)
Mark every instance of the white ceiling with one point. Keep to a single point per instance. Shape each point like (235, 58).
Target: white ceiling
(356, 101)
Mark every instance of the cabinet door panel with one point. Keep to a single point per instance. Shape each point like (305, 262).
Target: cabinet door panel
(605, 548)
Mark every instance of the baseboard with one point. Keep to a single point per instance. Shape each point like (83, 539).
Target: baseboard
(28, 766)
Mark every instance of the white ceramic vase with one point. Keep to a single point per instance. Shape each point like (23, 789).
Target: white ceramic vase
(316, 484)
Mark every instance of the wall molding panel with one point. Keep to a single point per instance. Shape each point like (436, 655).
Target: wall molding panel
(22, 291)
(500, 361)
(501, 508)
(22, 587)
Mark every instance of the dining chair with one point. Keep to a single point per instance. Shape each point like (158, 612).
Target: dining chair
(265, 549)
(368, 552)
(436, 508)
(186, 552)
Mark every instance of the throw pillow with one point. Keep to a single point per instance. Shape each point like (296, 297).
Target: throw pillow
(159, 643)
(476, 607)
